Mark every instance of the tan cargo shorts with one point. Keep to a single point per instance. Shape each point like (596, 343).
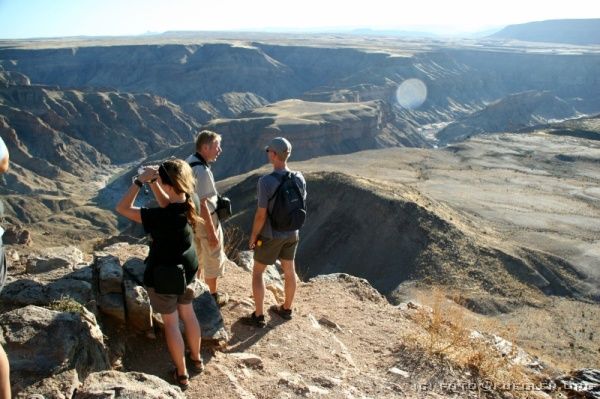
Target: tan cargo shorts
(212, 260)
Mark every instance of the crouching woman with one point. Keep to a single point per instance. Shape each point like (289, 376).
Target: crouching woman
(172, 263)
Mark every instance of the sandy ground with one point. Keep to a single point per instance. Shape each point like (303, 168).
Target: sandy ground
(344, 341)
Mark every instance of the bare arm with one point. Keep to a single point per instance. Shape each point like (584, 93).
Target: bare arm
(259, 221)
(125, 206)
(213, 239)
(161, 197)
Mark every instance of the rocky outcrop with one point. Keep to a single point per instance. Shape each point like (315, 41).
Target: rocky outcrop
(55, 274)
(42, 343)
(509, 114)
(119, 270)
(583, 383)
(54, 341)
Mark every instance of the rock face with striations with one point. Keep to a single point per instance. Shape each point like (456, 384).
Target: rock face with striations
(77, 130)
(187, 74)
(509, 114)
(315, 129)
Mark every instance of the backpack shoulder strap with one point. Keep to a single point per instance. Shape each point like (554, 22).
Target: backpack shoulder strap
(294, 177)
(281, 179)
(200, 161)
(196, 163)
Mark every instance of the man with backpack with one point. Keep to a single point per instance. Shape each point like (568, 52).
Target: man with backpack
(281, 212)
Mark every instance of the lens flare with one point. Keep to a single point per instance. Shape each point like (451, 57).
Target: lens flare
(411, 93)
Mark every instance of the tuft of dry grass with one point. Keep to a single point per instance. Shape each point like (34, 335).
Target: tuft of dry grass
(472, 343)
(66, 304)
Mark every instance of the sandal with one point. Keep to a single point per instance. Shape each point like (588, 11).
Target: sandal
(181, 380)
(197, 365)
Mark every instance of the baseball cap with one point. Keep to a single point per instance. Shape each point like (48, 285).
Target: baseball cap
(280, 146)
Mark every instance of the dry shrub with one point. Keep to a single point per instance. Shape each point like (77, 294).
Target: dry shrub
(234, 240)
(66, 304)
(466, 340)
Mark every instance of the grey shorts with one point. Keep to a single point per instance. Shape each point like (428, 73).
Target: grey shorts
(166, 304)
(272, 249)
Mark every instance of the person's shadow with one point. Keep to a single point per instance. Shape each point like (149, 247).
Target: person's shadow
(244, 336)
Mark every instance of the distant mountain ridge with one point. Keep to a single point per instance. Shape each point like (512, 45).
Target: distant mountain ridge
(568, 31)
(508, 114)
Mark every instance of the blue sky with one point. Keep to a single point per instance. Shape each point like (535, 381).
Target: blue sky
(53, 18)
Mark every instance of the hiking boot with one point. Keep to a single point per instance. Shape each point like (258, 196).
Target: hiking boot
(254, 320)
(221, 298)
(285, 314)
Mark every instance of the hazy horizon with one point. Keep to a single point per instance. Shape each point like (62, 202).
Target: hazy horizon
(23, 19)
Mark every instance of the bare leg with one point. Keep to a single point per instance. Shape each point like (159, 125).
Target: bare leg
(258, 287)
(212, 284)
(289, 274)
(192, 330)
(4, 375)
(175, 341)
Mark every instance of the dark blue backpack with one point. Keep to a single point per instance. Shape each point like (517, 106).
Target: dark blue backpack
(289, 208)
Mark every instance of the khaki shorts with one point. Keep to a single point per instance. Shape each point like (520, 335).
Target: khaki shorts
(212, 260)
(166, 304)
(272, 249)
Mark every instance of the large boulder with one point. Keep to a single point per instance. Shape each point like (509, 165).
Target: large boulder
(137, 303)
(55, 258)
(55, 274)
(117, 385)
(60, 386)
(209, 316)
(42, 343)
(39, 290)
(110, 274)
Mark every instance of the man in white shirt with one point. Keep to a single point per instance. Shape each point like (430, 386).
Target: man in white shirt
(210, 234)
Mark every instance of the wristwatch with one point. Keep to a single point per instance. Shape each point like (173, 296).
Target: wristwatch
(138, 182)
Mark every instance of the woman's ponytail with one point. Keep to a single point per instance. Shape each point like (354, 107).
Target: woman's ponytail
(178, 174)
(192, 213)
